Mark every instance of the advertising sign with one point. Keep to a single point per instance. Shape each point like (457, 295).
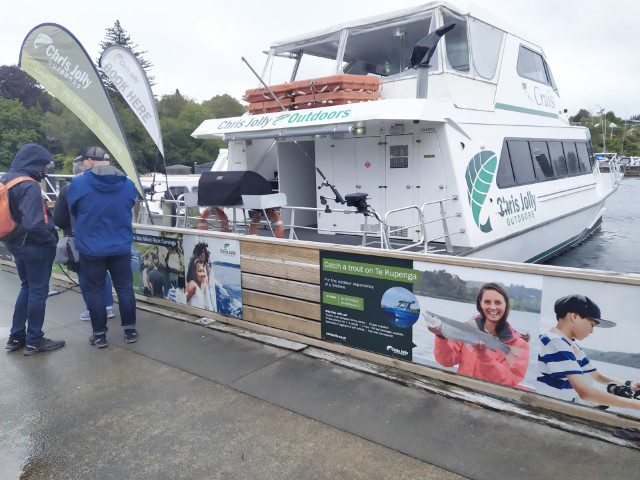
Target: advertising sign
(157, 262)
(125, 72)
(368, 302)
(56, 60)
(212, 274)
(573, 340)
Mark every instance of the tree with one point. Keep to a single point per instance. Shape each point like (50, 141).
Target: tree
(18, 125)
(16, 84)
(117, 35)
(223, 106)
(170, 106)
(581, 116)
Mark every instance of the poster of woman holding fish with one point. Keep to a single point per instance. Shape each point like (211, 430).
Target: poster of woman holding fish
(487, 347)
(475, 327)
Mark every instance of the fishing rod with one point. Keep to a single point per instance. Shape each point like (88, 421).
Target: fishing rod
(339, 198)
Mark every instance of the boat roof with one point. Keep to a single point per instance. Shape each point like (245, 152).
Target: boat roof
(459, 7)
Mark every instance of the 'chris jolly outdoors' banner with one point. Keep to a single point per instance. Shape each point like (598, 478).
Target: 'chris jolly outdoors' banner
(125, 72)
(56, 60)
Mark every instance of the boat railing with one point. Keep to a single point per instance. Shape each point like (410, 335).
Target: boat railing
(612, 167)
(376, 231)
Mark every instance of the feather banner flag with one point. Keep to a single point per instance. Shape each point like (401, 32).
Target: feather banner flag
(57, 60)
(125, 72)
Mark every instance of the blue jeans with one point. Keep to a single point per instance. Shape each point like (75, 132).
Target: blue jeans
(94, 271)
(34, 264)
(108, 290)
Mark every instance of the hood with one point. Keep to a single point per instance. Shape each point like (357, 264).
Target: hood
(105, 178)
(31, 159)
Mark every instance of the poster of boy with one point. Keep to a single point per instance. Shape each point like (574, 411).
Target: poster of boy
(588, 344)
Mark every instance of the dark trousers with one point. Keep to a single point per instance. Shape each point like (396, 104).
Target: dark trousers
(108, 290)
(94, 270)
(34, 264)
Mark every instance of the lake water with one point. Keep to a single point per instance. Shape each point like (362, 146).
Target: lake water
(615, 246)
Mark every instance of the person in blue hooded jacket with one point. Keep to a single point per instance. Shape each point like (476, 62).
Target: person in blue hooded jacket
(33, 246)
(101, 201)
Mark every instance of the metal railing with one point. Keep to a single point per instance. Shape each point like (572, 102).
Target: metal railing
(375, 232)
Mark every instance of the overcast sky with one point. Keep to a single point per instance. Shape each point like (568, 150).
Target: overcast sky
(194, 45)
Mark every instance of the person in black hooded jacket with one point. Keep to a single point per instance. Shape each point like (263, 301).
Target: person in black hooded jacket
(33, 246)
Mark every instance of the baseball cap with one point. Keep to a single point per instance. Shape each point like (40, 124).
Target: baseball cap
(583, 306)
(96, 153)
(79, 158)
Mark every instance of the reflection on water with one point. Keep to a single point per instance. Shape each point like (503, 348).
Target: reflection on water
(614, 246)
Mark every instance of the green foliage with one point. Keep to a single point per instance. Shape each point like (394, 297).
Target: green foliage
(18, 125)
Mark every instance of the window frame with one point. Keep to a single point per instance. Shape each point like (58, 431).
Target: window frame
(507, 150)
(545, 68)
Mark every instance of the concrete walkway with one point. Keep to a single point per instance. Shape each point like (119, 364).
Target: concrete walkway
(190, 402)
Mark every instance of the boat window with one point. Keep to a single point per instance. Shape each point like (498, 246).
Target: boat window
(541, 160)
(486, 42)
(550, 76)
(531, 65)
(504, 178)
(557, 159)
(520, 154)
(386, 49)
(583, 157)
(572, 157)
(457, 43)
(592, 160)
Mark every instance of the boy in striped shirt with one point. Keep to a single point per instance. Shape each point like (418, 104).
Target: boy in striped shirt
(565, 371)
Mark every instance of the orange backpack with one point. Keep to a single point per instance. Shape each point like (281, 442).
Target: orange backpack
(8, 224)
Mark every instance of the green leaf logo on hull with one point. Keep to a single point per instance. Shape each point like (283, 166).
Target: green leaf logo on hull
(479, 176)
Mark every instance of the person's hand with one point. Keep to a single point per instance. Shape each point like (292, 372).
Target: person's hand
(480, 346)
(635, 386)
(437, 331)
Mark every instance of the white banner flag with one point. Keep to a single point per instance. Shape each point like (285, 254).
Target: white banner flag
(128, 76)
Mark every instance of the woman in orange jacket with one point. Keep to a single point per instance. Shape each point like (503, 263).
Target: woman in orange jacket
(478, 361)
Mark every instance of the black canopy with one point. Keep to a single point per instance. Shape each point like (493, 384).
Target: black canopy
(225, 189)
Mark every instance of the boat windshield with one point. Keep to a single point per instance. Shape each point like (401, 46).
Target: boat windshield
(381, 49)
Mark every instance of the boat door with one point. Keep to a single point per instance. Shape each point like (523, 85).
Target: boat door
(370, 178)
(432, 185)
(401, 180)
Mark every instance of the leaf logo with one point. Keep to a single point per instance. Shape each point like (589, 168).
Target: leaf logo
(479, 176)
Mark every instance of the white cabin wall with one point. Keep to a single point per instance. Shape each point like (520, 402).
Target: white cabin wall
(255, 151)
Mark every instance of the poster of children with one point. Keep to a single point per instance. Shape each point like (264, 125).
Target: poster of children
(212, 274)
(479, 323)
(157, 262)
(588, 343)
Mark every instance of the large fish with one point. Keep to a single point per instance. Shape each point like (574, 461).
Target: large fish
(470, 335)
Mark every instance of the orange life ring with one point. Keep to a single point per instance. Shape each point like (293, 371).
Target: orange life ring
(274, 218)
(203, 224)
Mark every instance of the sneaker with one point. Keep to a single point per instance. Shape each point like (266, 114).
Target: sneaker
(85, 316)
(15, 342)
(130, 336)
(45, 345)
(98, 341)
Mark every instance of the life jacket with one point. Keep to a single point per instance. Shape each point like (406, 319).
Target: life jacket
(7, 224)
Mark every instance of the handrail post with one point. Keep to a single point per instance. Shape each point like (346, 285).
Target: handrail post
(445, 228)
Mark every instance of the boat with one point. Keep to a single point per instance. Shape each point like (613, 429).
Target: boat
(402, 314)
(464, 149)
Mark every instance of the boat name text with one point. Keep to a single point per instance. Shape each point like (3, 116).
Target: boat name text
(284, 119)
